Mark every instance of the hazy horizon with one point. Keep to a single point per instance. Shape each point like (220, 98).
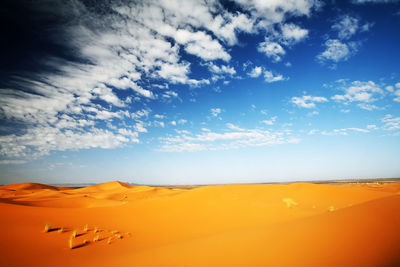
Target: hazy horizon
(199, 92)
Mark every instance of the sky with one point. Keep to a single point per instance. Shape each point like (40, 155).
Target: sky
(199, 92)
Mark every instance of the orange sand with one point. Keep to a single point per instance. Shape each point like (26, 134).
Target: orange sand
(299, 224)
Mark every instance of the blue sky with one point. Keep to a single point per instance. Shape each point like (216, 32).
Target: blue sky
(199, 92)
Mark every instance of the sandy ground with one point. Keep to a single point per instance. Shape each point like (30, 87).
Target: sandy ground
(298, 224)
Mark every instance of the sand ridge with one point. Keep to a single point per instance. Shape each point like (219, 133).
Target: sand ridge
(300, 224)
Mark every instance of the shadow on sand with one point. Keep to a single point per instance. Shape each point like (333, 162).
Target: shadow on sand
(81, 245)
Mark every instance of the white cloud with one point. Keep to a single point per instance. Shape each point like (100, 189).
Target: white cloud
(233, 127)
(133, 135)
(158, 116)
(107, 95)
(196, 83)
(336, 51)
(360, 130)
(221, 69)
(170, 94)
(203, 46)
(346, 27)
(292, 33)
(286, 34)
(308, 101)
(215, 112)
(37, 142)
(140, 127)
(173, 123)
(358, 91)
(226, 25)
(397, 85)
(272, 50)
(270, 77)
(141, 113)
(255, 72)
(175, 73)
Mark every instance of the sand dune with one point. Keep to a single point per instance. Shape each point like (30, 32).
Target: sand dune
(299, 224)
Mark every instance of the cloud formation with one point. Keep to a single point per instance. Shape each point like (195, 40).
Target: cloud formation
(362, 92)
(341, 48)
(123, 55)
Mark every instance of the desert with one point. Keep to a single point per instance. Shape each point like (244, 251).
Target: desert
(117, 224)
(200, 133)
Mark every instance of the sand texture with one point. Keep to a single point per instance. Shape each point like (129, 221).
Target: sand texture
(116, 224)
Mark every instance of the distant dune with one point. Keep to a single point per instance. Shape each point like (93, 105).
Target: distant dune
(117, 224)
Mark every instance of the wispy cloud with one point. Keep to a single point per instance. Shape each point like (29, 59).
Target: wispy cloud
(271, 121)
(8, 162)
(391, 123)
(344, 131)
(374, 1)
(308, 101)
(346, 26)
(233, 138)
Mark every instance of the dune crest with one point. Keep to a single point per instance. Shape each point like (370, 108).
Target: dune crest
(110, 185)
